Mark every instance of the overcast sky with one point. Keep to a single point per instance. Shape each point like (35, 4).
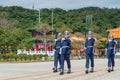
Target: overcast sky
(64, 4)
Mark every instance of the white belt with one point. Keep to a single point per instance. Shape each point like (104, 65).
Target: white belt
(89, 46)
(110, 48)
(58, 47)
(65, 47)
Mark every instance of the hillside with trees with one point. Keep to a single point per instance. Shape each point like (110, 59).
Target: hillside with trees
(15, 20)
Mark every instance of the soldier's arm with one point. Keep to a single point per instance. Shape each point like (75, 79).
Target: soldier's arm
(107, 42)
(115, 44)
(70, 40)
(61, 46)
(55, 43)
(85, 44)
(95, 39)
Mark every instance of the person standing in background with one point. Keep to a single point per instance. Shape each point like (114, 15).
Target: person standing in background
(89, 47)
(65, 53)
(57, 52)
(110, 46)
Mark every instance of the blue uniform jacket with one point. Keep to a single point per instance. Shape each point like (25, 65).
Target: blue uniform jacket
(57, 45)
(89, 44)
(110, 46)
(66, 46)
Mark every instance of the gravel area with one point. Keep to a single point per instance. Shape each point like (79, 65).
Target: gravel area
(43, 71)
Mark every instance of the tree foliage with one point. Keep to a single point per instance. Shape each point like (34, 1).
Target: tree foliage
(15, 20)
(102, 18)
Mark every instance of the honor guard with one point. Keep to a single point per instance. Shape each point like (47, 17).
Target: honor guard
(110, 45)
(65, 53)
(89, 47)
(57, 51)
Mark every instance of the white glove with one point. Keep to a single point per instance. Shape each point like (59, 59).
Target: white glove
(95, 39)
(63, 38)
(85, 48)
(54, 50)
(60, 50)
(55, 40)
(106, 49)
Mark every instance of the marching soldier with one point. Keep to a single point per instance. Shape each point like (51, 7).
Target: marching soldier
(111, 43)
(89, 47)
(57, 51)
(65, 53)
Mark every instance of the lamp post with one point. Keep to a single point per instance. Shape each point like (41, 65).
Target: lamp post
(39, 15)
(88, 22)
(52, 18)
(89, 19)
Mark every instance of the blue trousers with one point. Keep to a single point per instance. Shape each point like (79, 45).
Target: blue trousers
(91, 57)
(56, 59)
(67, 58)
(111, 55)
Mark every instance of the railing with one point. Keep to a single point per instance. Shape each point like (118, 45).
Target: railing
(50, 53)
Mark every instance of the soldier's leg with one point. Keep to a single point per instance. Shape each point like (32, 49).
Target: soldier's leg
(59, 59)
(62, 64)
(92, 62)
(68, 61)
(55, 62)
(109, 62)
(113, 62)
(67, 57)
(55, 58)
(87, 62)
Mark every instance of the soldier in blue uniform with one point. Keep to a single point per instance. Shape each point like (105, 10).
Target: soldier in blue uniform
(57, 51)
(65, 53)
(89, 47)
(111, 52)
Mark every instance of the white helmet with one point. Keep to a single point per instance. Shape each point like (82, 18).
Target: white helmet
(59, 34)
(90, 32)
(66, 32)
(111, 36)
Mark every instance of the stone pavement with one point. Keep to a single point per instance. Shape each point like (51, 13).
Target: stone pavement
(43, 71)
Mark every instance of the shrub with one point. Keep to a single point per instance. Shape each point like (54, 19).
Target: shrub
(21, 57)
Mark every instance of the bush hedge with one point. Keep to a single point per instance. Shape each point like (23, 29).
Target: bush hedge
(35, 57)
(21, 57)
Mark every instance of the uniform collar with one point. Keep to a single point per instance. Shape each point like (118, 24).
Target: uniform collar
(89, 38)
(109, 40)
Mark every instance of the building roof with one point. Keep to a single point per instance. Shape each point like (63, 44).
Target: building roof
(103, 39)
(115, 32)
(34, 27)
(38, 39)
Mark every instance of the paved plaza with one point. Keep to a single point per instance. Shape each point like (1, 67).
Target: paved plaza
(43, 71)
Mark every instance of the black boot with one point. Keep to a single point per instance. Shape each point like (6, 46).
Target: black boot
(86, 71)
(112, 68)
(92, 70)
(55, 69)
(69, 71)
(109, 69)
(61, 71)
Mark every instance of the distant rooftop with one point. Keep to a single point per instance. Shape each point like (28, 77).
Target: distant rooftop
(115, 32)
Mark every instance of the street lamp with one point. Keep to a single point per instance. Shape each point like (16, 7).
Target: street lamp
(88, 22)
(39, 15)
(52, 18)
(88, 19)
